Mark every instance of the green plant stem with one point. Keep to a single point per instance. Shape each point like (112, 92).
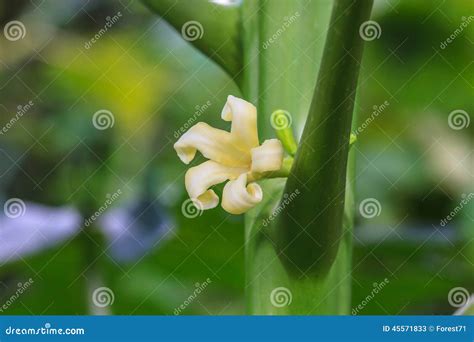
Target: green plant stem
(282, 173)
(319, 171)
(287, 162)
(288, 140)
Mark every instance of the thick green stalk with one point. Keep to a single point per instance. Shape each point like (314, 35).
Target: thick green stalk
(310, 230)
(282, 46)
(306, 248)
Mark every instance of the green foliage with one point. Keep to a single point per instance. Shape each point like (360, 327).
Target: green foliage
(213, 28)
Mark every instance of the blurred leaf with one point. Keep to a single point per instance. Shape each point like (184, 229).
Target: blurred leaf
(210, 26)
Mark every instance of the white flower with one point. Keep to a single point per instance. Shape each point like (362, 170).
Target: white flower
(235, 156)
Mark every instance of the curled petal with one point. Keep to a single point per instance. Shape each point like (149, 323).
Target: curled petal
(215, 144)
(207, 200)
(200, 178)
(238, 197)
(243, 115)
(268, 156)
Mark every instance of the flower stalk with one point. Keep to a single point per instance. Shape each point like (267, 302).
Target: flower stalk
(285, 133)
(283, 172)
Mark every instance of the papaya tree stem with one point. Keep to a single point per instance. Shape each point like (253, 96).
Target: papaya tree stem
(320, 166)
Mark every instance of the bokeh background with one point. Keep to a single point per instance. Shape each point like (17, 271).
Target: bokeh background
(412, 159)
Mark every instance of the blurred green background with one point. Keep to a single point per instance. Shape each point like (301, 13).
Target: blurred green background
(153, 82)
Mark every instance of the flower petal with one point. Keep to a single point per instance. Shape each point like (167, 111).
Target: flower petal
(268, 156)
(207, 200)
(243, 115)
(215, 144)
(238, 197)
(200, 178)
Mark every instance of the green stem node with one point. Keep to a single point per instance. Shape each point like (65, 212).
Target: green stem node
(284, 132)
